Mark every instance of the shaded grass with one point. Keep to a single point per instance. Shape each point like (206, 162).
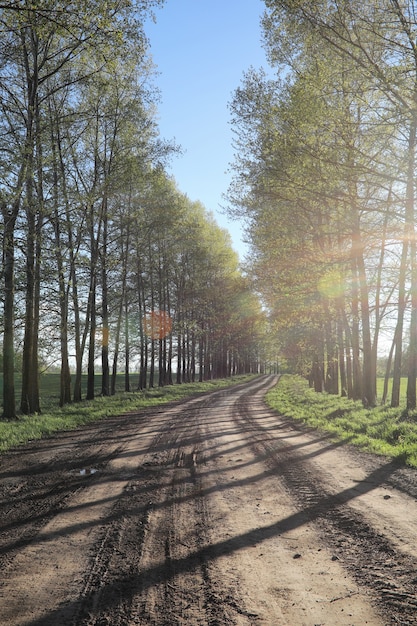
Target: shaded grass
(381, 430)
(49, 387)
(32, 427)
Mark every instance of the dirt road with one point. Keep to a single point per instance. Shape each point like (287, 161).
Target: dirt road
(211, 512)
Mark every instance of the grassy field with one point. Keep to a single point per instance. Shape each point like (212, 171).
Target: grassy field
(49, 387)
(381, 430)
(53, 418)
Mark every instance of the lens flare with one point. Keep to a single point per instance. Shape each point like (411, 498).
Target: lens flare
(331, 284)
(157, 324)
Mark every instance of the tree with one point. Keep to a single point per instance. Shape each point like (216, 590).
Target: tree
(378, 39)
(317, 178)
(46, 51)
(102, 235)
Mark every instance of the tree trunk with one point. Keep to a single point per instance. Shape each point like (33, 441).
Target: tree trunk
(105, 370)
(342, 363)
(388, 370)
(369, 365)
(30, 371)
(179, 351)
(116, 344)
(65, 378)
(9, 401)
(143, 373)
(92, 341)
(410, 211)
(127, 344)
(123, 305)
(9, 218)
(29, 399)
(399, 329)
(355, 344)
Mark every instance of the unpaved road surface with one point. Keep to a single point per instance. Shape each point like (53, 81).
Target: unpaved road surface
(214, 511)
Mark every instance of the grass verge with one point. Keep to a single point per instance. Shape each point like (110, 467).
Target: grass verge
(382, 430)
(31, 427)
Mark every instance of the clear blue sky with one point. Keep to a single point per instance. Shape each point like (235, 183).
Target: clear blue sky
(201, 49)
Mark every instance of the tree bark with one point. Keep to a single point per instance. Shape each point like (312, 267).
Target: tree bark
(9, 402)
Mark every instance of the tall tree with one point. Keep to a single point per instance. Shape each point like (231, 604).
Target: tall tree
(378, 38)
(46, 51)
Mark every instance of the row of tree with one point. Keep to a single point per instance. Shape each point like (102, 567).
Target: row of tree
(102, 255)
(325, 175)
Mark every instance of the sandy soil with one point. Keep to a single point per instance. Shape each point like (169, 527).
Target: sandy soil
(214, 511)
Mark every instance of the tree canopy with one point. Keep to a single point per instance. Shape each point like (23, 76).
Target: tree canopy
(103, 257)
(324, 176)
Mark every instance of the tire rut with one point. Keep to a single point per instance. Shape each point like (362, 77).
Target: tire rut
(365, 553)
(151, 565)
(154, 552)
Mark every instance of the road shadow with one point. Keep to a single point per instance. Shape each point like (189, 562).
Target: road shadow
(123, 590)
(267, 451)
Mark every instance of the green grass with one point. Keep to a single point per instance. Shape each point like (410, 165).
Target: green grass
(382, 430)
(53, 418)
(49, 387)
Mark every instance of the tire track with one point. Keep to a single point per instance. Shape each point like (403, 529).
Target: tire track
(368, 555)
(149, 521)
(150, 566)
